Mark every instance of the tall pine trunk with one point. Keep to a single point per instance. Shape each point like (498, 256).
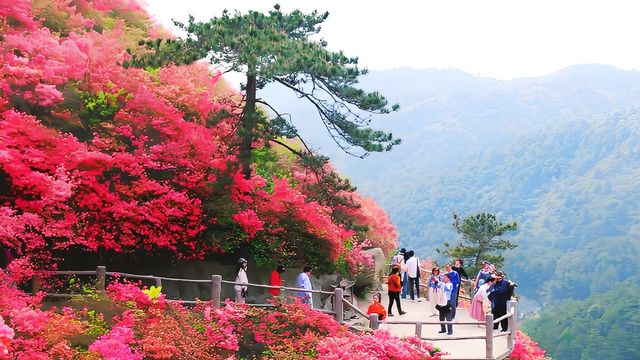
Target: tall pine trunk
(248, 126)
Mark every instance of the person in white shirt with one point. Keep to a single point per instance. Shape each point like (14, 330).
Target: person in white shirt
(304, 282)
(241, 278)
(413, 274)
(445, 310)
(477, 310)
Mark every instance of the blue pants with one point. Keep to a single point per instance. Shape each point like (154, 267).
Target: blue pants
(404, 285)
(454, 299)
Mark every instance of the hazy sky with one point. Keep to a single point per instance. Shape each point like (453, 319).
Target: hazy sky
(493, 38)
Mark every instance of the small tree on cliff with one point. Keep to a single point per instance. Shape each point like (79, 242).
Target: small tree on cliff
(481, 240)
(276, 47)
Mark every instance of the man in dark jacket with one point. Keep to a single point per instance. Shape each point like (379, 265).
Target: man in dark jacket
(499, 296)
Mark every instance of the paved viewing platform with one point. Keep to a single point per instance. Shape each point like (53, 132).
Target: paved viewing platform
(452, 344)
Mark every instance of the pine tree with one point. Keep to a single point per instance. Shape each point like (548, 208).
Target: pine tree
(277, 48)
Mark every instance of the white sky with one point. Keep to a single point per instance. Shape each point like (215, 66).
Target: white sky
(502, 39)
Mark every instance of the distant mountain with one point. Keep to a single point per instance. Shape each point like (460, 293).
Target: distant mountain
(558, 153)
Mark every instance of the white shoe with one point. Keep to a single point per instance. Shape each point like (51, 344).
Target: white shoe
(419, 300)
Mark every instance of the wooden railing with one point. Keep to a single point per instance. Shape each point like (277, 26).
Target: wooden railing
(339, 303)
(216, 282)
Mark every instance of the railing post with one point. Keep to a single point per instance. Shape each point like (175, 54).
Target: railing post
(374, 322)
(101, 276)
(489, 336)
(216, 290)
(158, 282)
(36, 284)
(513, 323)
(338, 305)
(419, 330)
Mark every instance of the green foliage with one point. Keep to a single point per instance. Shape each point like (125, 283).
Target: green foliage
(481, 240)
(602, 326)
(277, 48)
(101, 107)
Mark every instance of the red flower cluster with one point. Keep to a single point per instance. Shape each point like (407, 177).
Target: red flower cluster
(102, 157)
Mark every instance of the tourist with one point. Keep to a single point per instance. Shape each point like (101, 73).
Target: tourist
(403, 271)
(241, 278)
(455, 281)
(413, 274)
(477, 310)
(434, 282)
(276, 280)
(499, 295)
(483, 274)
(445, 308)
(394, 288)
(458, 267)
(377, 308)
(398, 259)
(304, 282)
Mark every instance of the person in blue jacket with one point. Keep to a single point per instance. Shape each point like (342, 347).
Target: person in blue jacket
(499, 296)
(455, 281)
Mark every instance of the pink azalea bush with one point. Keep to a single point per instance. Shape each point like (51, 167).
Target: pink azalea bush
(121, 324)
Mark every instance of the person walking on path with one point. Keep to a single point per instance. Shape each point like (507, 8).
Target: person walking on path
(455, 281)
(434, 282)
(377, 308)
(394, 288)
(499, 295)
(276, 280)
(304, 282)
(241, 278)
(446, 311)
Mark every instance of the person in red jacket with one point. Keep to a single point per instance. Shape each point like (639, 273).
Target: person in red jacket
(377, 308)
(395, 287)
(276, 280)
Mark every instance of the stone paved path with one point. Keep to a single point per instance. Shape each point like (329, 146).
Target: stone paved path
(457, 349)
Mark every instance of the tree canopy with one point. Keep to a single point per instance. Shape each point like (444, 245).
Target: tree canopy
(481, 239)
(277, 47)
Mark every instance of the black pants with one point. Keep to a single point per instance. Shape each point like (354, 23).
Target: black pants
(394, 296)
(500, 310)
(414, 283)
(446, 316)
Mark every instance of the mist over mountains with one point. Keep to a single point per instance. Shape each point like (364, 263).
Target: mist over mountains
(559, 154)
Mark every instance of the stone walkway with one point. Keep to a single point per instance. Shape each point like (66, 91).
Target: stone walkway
(457, 349)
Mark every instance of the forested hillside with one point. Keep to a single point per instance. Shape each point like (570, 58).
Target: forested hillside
(559, 154)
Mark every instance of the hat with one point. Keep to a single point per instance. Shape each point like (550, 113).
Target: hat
(242, 260)
(403, 250)
(485, 262)
(499, 273)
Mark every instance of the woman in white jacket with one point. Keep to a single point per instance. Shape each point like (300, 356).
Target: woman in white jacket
(241, 277)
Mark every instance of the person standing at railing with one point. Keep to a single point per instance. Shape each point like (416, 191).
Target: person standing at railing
(434, 281)
(458, 266)
(455, 281)
(477, 310)
(394, 288)
(241, 277)
(304, 282)
(483, 275)
(276, 280)
(445, 309)
(499, 295)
